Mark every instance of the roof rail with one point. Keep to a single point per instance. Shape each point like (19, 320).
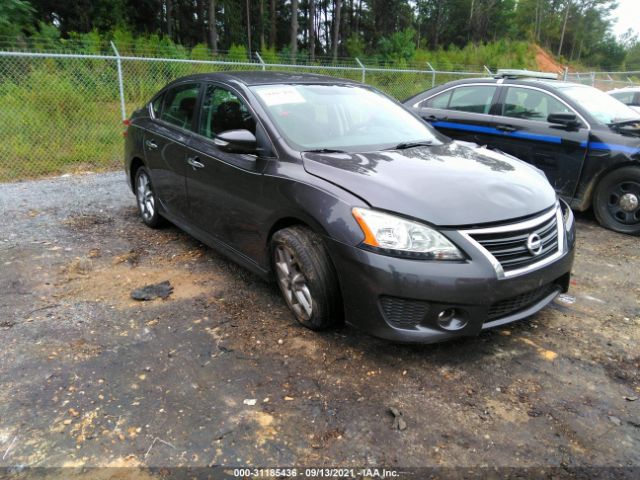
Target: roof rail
(513, 73)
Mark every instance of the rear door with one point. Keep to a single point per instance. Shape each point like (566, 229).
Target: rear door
(521, 129)
(165, 145)
(462, 112)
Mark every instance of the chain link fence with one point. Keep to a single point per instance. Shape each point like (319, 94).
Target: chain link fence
(62, 113)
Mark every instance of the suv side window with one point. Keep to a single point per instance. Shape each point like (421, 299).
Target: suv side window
(472, 99)
(223, 110)
(531, 104)
(179, 105)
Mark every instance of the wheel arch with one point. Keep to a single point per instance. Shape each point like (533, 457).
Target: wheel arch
(136, 163)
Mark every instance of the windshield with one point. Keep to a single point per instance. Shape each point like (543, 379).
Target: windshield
(341, 117)
(603, 107)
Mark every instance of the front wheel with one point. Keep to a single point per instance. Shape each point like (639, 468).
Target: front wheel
(616, 202)
(306, 277)
(146, 199)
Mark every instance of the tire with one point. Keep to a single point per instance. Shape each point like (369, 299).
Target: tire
(616, 202)
(306, 277)
(146, 199)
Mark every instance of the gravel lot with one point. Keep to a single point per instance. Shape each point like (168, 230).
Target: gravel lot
(93, 378)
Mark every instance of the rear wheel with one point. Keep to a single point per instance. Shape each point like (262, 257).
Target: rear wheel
(616, 202)
(306, 277)
(146, 199)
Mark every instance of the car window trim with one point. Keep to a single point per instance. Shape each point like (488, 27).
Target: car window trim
(508, 85)
(247, 104)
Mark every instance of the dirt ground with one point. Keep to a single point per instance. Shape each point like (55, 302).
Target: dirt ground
(221, 374)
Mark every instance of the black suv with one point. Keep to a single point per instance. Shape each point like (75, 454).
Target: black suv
(585, 141)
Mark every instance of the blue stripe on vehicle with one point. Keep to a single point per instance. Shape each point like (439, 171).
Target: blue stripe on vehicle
(495, 131)
(612, 147)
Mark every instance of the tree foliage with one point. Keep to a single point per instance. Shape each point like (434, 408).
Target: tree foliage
(391, 30)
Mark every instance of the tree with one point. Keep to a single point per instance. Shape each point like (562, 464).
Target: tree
(336, 28)
(294, 30)
(213, 28)
(312, 30)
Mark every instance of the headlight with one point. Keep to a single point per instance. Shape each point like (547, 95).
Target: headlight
(397, 236)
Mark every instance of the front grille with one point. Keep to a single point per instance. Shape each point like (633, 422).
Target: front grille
(510, 248)
(519, 302)
(402, 312)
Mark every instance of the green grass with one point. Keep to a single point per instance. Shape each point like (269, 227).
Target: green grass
(63, 115)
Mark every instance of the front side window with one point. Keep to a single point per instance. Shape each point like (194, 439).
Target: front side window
(222, 110)
(625, 97)
(343, 117)
(531, 104)
(472, 99)
(179, 105)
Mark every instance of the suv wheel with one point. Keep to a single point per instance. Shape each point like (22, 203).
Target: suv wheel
(146, 199)
(616, 202)
(306, 277)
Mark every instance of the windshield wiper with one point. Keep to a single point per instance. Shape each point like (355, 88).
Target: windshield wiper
(625, 122)
(324, 150)
(405, 145)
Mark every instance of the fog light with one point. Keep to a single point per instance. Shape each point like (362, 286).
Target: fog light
(448, 319)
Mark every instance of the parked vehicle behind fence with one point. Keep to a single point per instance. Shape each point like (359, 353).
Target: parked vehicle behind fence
(356, 207)
(586, 142)
(630, 96)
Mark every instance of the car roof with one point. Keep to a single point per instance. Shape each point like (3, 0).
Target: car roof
(625, 89)
(516, 81)
(250, 78)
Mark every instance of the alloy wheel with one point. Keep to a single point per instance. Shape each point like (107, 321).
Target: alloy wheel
(293, 283)
(145, 196)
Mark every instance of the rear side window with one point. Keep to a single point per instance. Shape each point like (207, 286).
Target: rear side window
(156, 105)
(531, 104)
(439, 101)
(179, 105)
(624, 97)
(473, 99)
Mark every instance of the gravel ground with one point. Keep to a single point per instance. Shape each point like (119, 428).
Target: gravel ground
(220, 373)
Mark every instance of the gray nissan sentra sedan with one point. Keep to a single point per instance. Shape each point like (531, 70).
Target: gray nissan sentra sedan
(358, 209)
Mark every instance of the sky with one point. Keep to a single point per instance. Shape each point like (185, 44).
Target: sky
(626, 16)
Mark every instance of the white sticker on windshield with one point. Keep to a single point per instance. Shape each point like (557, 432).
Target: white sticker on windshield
(280, 95)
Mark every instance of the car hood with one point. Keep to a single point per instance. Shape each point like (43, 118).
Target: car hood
(453, 184)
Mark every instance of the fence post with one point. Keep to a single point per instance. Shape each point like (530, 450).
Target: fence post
(260, 60)
(433, 75)
(565, 74)
(630, 81)
(488, 70)
(593, 79)
(120, 83)
(364, 70)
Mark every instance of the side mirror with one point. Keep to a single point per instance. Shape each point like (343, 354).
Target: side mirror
(237, 141)
(564, 119)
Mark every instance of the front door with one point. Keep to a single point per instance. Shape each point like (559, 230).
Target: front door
(225, 189)
(522, 130)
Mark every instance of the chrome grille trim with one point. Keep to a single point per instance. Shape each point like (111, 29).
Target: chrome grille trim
(530, 224)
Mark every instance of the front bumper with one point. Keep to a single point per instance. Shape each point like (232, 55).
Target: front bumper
(400, 299)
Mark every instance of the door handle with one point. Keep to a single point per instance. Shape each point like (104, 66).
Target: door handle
(506, 128)
(195, 162)
(151, 144)
(433, 118)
